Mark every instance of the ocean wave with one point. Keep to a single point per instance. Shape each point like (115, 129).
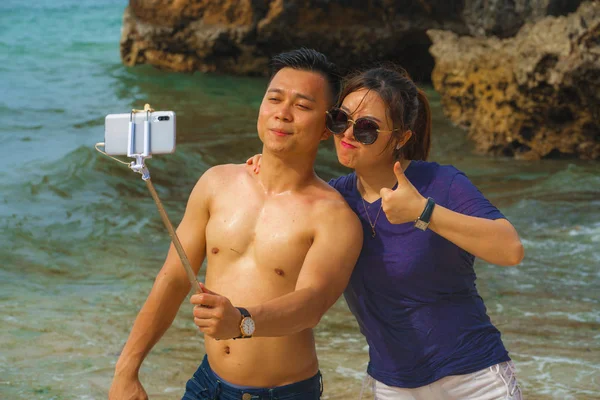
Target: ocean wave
(575, 182)
(27, 8)
(89, 123)
(87, 200)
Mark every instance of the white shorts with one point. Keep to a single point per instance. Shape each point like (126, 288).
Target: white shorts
(494, 383)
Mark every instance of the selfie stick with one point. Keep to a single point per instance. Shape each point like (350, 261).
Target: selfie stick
(140, 167)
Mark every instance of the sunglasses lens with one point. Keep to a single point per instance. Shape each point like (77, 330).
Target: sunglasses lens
(365, 131)
(337, 121)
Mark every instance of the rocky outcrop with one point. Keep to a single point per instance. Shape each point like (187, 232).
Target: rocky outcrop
(534, 95)
(502, 18)
(239, 36)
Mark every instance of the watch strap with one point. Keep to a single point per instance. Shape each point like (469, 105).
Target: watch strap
(423, 221)
(245, 314)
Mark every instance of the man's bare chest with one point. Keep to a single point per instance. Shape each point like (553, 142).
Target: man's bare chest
(270, 231)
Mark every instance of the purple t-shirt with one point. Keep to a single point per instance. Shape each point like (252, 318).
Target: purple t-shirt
(413, 292)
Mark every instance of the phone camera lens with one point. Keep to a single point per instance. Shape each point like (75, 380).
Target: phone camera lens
(163, 118)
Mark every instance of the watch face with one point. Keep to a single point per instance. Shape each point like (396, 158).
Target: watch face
(422, 225)
(248, 326)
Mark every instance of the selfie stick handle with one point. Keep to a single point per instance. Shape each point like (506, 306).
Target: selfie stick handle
(184, 260)
(140, 167)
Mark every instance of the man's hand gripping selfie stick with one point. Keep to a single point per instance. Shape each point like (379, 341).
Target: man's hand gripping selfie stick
(140, 167)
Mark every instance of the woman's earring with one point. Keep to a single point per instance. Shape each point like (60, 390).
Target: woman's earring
(398, 147)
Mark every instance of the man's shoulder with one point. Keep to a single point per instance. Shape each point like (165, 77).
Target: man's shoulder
(330, 205)
(215, 179)
(325, 195)
(223, 173)
(226, 170)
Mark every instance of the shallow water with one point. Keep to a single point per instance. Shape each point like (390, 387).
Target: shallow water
(81, 240)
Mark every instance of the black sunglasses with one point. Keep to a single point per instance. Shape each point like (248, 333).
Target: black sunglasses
(365, 130)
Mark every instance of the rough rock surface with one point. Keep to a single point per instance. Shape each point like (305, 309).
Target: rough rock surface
(239, 36)
(503, 18)
(534, 95)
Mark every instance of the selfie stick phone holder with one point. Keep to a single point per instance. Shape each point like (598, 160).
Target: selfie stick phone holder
(140, 167)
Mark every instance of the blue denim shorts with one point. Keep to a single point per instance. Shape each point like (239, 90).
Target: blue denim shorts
(205, 385)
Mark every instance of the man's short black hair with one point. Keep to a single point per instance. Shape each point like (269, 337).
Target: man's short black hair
(309, 60)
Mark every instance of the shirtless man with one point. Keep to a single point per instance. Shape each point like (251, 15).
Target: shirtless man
(281, 244)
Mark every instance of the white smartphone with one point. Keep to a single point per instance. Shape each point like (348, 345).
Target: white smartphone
(162, 133)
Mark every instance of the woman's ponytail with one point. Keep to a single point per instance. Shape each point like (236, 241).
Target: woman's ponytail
(418, 146)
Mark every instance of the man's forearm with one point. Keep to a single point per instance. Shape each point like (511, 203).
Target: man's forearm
(153, 320)
(291, 313)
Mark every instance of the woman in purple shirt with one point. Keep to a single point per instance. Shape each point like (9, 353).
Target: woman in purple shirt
(413, 289)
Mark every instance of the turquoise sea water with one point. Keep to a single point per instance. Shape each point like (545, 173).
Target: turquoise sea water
(81, 241)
